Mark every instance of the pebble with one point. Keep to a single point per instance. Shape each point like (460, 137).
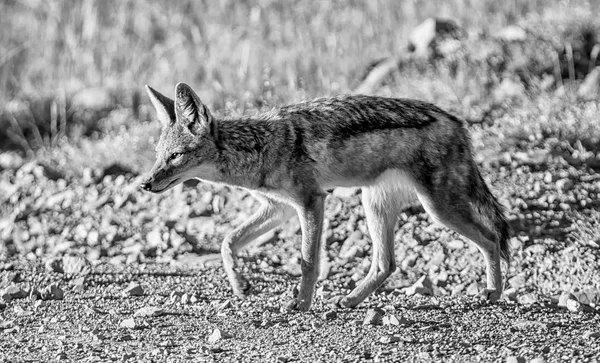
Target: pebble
(329, 315)
(373, 317)
(148, 311)
(387, 339)
(128, 323)
(217, 335)
(517, 281)
(52, 292)
(12, 292)
(54, 265)
(134, 289)
(75, 265)
(78, 284)
(527, 299)
(422, 286)
(225, 305)
(574, 305)
(391, 320)
(563, 298)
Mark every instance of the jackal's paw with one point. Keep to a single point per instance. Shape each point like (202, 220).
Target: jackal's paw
(340, 301)
(490, 295)
(241, 286)
(296, 304)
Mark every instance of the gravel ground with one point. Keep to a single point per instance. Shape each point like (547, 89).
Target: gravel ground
(94, 270)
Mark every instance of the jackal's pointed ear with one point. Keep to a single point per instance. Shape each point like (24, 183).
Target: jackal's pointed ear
(190, 110)
(165, 107)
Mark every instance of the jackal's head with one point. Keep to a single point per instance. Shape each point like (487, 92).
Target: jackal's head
(187, 145)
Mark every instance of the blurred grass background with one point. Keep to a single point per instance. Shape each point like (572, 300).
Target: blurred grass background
(72, 72)
(228, 48)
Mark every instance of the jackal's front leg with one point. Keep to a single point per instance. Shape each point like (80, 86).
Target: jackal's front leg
(268, 216)
(311, 221)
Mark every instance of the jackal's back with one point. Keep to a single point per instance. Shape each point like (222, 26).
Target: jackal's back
(353, 139)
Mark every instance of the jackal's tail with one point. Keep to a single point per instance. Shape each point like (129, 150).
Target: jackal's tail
(491, 214)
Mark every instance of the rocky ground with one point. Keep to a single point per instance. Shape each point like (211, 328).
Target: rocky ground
(94, 269)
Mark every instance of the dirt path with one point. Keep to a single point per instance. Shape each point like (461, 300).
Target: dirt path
(96, 239)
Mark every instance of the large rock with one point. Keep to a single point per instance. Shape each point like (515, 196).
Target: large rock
(424, 38)
(590, 85)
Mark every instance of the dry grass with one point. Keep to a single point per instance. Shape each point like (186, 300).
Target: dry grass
(229, 50)
(243, 56)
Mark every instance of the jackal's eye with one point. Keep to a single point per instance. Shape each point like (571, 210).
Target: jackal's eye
(175, 156)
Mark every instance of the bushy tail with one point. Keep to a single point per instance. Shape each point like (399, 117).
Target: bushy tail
(491, 213)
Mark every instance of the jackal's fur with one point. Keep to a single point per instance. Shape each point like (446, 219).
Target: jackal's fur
(397, 150)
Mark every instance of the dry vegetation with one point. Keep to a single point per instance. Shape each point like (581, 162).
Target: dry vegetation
(76, 132)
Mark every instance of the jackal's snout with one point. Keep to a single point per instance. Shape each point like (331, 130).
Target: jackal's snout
(146, 185)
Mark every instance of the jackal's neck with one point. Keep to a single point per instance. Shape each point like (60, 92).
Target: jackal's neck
(242, 146)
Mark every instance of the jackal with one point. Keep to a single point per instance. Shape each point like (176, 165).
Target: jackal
(397, 150)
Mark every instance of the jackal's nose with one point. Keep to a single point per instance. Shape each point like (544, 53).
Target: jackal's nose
(145, 185)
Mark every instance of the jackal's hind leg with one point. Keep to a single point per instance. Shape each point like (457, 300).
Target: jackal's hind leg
(268, 216)
(382, 206)
(455, 212)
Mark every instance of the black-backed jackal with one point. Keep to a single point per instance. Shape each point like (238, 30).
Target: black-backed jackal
(397, 150)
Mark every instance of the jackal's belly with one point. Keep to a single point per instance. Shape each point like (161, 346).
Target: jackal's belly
(330, 179)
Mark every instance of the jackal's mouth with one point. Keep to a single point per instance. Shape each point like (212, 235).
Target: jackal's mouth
(171, 184)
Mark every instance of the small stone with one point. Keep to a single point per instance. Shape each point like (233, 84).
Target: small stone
(52, 292)
(20, 311)
(225, 305)
(591, 84)
(527, 299)
(217, 335)
(134, 289)
(455, 244)
(154, 238)
(563, 298)
(175, 297)
(574, 305)
(586, 296)
(387, 339)
(538, 360)
(54, 265)
(515, 359)
(511, 294)
(148, 311)
(564, 184)
(130, 355)
(12, 292)
(185, 298)
(391, 320)
(75, 265)
(97, 335)
(329, 315)
(473, 289)
(78, 283)
(316, 325)
(128, 323)
(422, 286)
(61, 356)
(373, 317)
(517, 281)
